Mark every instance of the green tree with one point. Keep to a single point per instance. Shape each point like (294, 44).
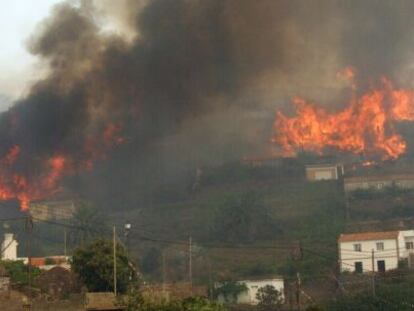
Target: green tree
(18, 271)
(94, 265)
(270, 299)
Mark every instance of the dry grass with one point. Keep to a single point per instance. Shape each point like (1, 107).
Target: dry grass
(16, 300)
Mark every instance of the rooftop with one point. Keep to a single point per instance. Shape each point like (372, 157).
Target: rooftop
(368, 236)
(326, 165)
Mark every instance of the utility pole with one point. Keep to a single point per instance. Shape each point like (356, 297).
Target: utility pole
(373, 273)
(190, 264)
(29, 228)
(210, 280)
(114, 245)
(127, 228)
(298, 284)
(164, 276)
(64, 242)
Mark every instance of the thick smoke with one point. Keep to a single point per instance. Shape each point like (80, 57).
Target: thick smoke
(190, 82)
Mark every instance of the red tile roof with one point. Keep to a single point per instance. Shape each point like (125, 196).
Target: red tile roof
(37, 262)
(369, 236)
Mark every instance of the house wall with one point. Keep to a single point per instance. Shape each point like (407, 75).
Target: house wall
(52, 210)
(348, 256)
(9, 247)
(406, 236)
(249, 296)
(321, 173)
(353, 184)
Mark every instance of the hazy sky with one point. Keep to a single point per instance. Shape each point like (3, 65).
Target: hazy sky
(18, 19)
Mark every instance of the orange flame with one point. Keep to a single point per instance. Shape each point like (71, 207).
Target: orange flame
(366, 126)
(16, 185)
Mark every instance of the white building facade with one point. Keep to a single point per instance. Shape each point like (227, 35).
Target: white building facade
(324, 172)
(249, 295)
(403, 181)
(374, 251)
(9, 247)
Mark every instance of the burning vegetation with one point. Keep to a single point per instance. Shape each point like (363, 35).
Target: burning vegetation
(45, 181)
(367, 126)
(187, 84)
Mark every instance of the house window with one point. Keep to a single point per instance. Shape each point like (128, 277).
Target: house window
(409, 245)
(381, 265)
(380, 246)
(358, 266)
(357, 248)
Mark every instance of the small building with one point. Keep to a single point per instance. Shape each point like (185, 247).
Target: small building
(378, 182)
(52, 210)
(316, 172)
(9, 252)
(249, 295)
(374, 251)
(102, 302)
(50, 262)
(9, 247)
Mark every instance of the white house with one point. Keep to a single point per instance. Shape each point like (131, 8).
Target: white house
(9, 247)
(378, 182)
(249, 296)
(9, 252)
(318, 172)
(374, 251)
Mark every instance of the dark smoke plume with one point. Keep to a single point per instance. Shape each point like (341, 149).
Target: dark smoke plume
(194, 82)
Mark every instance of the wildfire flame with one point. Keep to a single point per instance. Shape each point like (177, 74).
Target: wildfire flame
(27, 187)
(366, 126)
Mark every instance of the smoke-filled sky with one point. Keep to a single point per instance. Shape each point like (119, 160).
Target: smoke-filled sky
(184, 83)
(18, 19)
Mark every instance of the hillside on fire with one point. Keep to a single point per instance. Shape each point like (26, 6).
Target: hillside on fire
(207, 154)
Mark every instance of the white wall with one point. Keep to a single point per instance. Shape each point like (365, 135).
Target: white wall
(322, 173)
(9, 247)
(348, 256)
(406, 236)
(249, 296)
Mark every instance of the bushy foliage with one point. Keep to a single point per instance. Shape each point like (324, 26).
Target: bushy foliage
(375, 193)
(270, 299)
(392, 294)
(229, 291)
(135, 302)
(94, 265)
(18, 271)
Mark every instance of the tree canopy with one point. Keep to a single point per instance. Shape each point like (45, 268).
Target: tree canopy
(94, 264)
